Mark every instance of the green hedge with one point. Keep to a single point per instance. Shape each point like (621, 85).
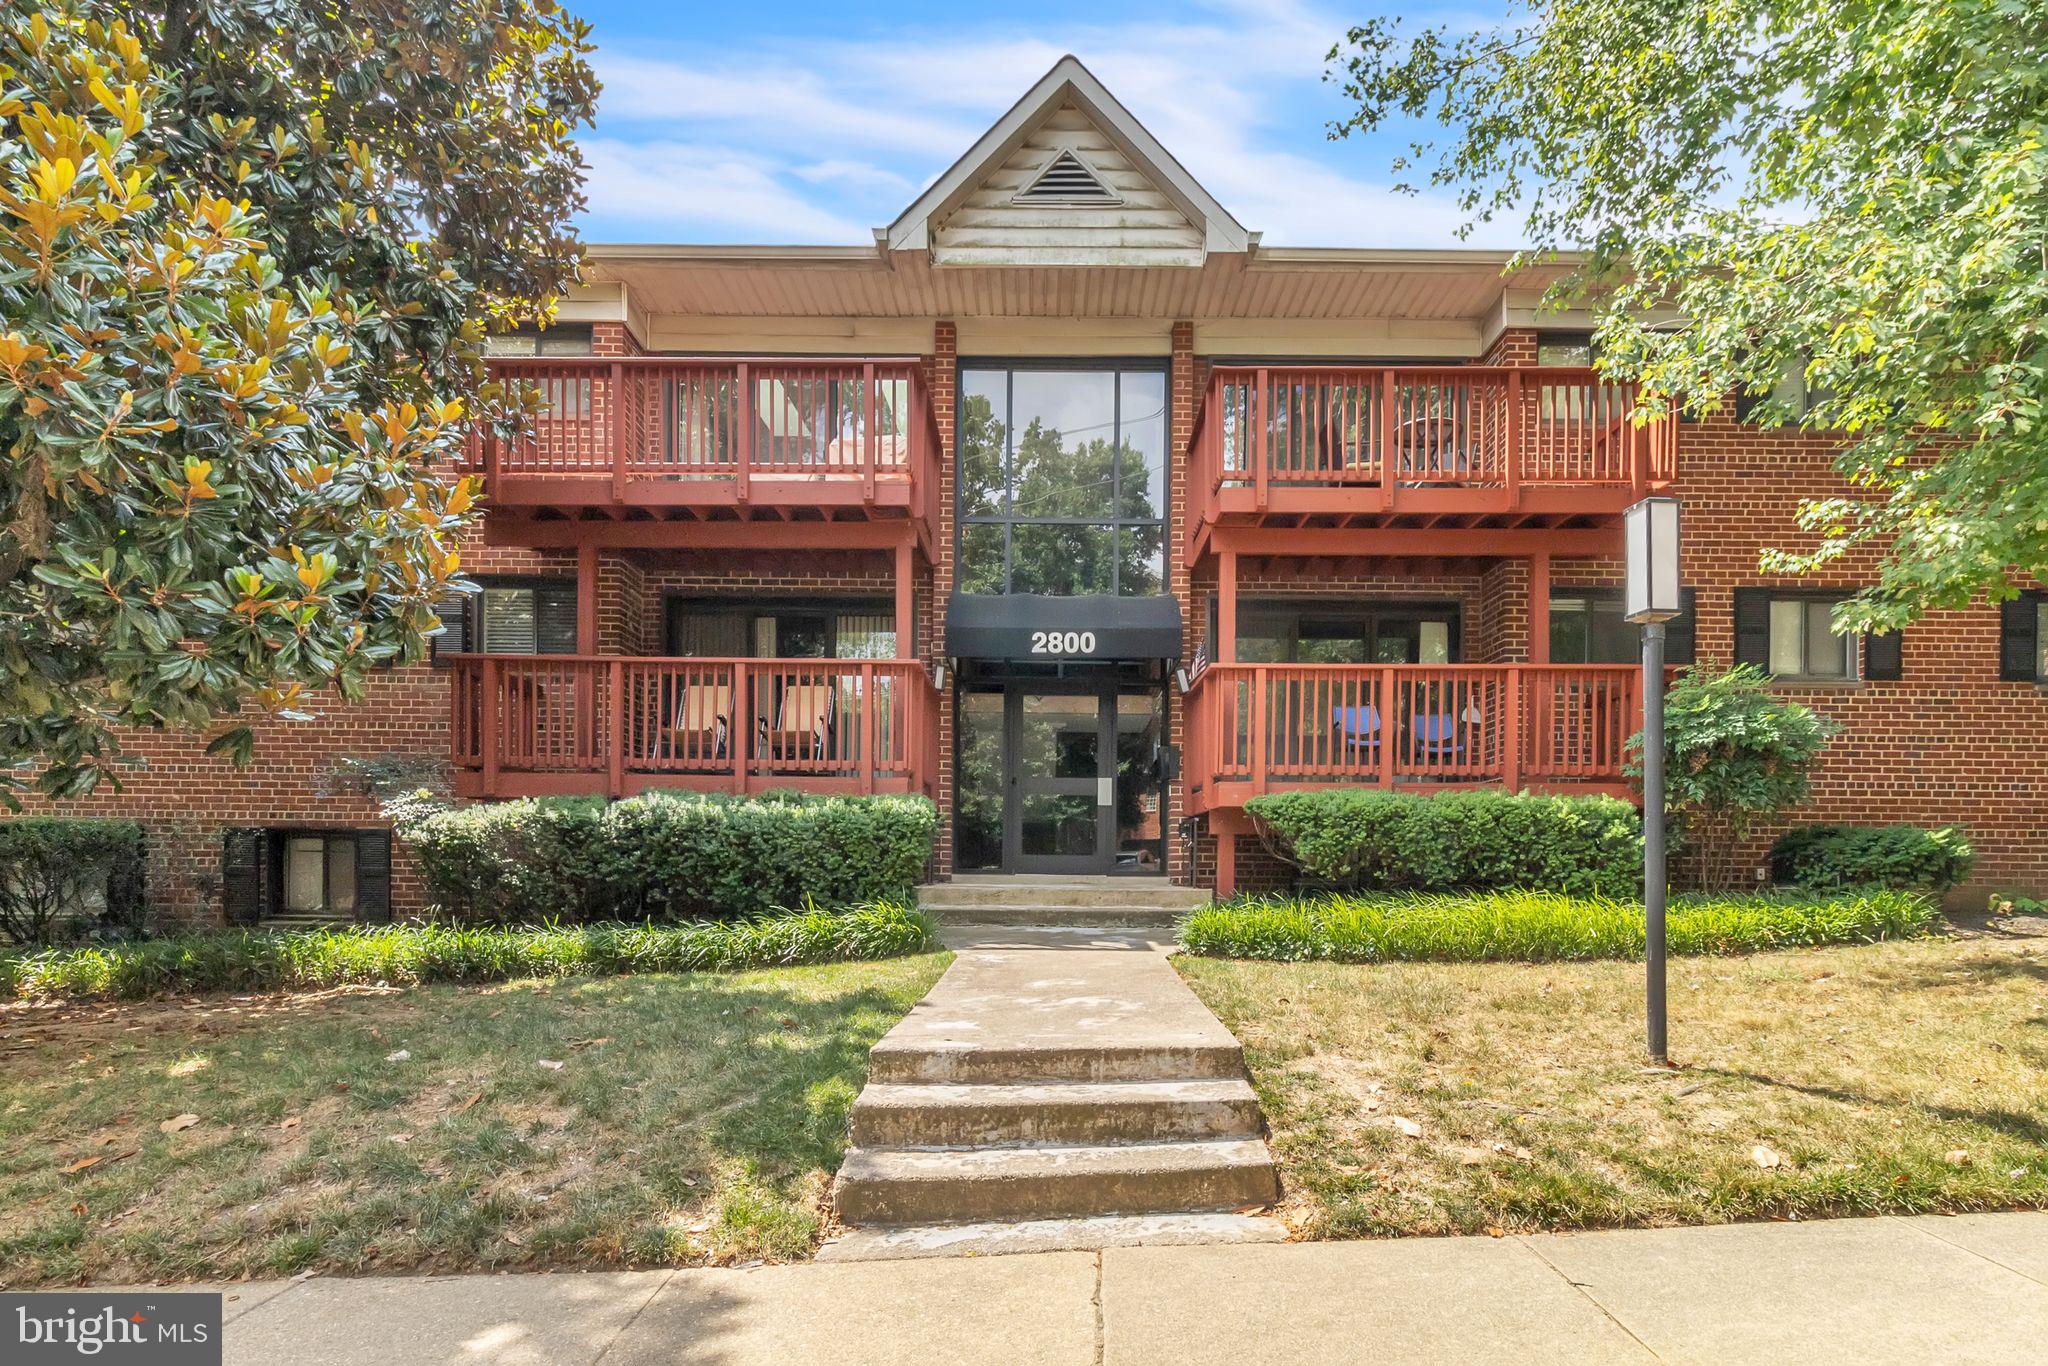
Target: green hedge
(669, 856)
(1538, 927)
(245, 960)
(1352, 839)
(65, 879)
(1832, 856)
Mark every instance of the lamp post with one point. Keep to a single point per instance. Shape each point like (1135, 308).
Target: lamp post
(1652, 598)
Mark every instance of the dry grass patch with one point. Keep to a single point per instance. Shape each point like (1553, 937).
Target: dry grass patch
(693, 1119)
(1414, 1098)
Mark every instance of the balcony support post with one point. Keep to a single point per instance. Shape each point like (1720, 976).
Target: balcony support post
(1511, 730)
(739, 737)
(870, 439)
(615, 419)
(1391, 722)
(1511, 441)
(1226, 864)
(615, 751)
(906, 612)
(1225, 649)
(870, 757)
(1262, 437)
(743, 433)
(1390, 455)
(493, 677)
(1539, 608)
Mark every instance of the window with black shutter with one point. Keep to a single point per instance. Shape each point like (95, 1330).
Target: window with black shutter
(510, 617)
(2023, 638)
(336, 874)
(1790, 635)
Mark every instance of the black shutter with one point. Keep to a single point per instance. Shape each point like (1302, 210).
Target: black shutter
(244, 862)
(2019, 644)
(454, 638)
(1681, 637)
(554, 618)
(373, 876)
(1882, 656)
(1753, 627)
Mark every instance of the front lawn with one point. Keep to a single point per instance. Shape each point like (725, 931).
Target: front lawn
(691, 1119)
(1423, 1098)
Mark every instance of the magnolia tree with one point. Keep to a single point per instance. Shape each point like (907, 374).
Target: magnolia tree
(248, 254)
(1846, 202)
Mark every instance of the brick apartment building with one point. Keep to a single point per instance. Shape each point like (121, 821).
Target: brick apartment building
(1071, 505)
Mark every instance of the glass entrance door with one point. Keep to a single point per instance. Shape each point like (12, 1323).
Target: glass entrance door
(1060, 816)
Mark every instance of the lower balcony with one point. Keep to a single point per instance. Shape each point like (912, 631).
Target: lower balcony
(1259, 728)
(548, 725)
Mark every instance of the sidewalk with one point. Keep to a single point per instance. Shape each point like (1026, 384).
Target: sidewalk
(1967, 1289)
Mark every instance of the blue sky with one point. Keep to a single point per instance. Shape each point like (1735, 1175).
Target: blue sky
(801, 123)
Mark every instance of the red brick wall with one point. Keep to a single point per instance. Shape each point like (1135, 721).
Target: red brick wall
(186, 798)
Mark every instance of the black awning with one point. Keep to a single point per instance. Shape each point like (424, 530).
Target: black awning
(1020, 626)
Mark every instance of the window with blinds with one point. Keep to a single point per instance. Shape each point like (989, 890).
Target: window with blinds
(510, 617)
(700, 630)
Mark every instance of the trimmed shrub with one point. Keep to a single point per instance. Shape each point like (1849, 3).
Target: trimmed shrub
(669, 855)
(247, 960)
(1826, 856)
(63, 880)
(1350, 838)
(1541, 927)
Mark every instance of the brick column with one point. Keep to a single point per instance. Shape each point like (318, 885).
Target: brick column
(942, 380)
(1184, 395)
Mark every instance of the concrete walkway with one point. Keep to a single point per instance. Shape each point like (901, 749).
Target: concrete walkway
(1969, 1289)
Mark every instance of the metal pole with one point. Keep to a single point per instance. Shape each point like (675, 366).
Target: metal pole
(1654, 877)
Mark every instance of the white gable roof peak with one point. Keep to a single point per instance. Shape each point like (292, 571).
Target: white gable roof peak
(1068, 82)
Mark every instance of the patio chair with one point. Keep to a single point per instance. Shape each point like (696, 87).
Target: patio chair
(701, 726)
(1436, 736)
(1358, 732)
(803, 721)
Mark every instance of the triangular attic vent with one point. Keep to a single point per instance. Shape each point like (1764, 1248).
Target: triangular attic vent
(1067, 179)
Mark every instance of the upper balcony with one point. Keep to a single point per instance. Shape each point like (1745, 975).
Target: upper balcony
(725, 438)
(1486, 446)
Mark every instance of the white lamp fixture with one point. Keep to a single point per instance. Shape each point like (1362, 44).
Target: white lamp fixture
(1650, 529)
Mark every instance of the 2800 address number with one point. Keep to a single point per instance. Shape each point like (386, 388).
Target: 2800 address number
(1063, 642)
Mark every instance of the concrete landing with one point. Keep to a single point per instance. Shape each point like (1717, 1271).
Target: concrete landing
(1054, 1080)
(1150, 903)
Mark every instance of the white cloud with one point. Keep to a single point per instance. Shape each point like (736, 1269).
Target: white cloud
(865, 174)
(680, 191)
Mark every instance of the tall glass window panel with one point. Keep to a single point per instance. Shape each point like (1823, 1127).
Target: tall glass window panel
(1060, 559)
(978, 786)
(984, 443)
(1063, 452)
(1141, 424)
(1063, 481)
(981, 558)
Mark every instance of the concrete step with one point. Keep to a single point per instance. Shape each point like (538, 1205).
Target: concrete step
(891, 1244)
(903, 1115)
(1060, 917)
(898, 1060)
(1100, 894)
(927, 1186)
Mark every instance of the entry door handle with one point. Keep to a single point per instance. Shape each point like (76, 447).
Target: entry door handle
(1105, 791)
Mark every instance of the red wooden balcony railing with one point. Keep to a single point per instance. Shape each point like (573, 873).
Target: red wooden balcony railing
(1411, 434)
(528, 725)
(692, 430)
(1257, 728)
